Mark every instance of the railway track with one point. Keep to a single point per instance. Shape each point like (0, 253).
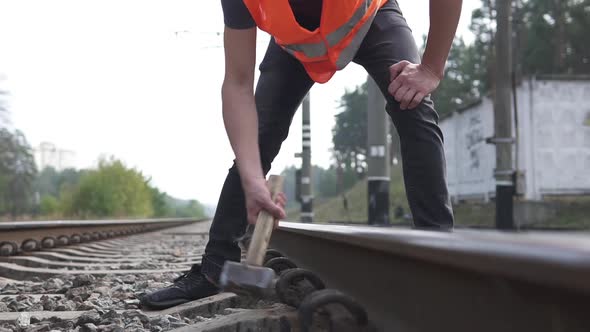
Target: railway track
(405, 280)
(95, 285)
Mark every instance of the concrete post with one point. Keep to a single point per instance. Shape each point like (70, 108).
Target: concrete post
(378, 173)
(503, 138)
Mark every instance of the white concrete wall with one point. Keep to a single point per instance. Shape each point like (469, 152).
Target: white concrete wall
(553, 142)
(470, 161)
(561, 137)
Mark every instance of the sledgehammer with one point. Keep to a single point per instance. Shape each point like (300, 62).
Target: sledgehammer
(250, 277)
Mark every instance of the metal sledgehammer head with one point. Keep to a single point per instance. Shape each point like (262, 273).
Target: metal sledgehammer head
(250, 277)
(241, 278)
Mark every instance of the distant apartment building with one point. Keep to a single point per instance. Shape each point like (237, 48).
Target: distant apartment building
(4, 114)
(4, 120)
(49, 155)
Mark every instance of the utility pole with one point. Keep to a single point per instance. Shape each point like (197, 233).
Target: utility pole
(503, 138)
(306, 184)
(378, 173)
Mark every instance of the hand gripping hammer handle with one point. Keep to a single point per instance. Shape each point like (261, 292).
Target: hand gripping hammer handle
(264, 226)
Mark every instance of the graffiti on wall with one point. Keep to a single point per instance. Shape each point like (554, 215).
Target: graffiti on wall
(473, 138)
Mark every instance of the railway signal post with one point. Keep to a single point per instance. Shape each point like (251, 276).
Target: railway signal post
(306, 184)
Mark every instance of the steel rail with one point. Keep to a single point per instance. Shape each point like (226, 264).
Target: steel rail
(413, 280)
(17, 236)
(20, 225)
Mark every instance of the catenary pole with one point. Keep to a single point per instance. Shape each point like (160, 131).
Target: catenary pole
(503, 138)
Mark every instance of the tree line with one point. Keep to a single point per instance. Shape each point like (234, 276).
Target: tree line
(326, 183)
(112, 190)
(549, 38)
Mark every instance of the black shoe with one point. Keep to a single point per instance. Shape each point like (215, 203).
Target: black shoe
(188, 287)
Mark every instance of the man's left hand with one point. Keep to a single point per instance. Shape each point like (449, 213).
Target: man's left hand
(410, 83)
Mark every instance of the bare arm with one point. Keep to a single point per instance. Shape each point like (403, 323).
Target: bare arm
(412, 82)
(241, 121)
(444, 18)
(239, 109)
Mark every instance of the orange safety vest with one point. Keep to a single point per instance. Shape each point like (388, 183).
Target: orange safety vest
(343, 26)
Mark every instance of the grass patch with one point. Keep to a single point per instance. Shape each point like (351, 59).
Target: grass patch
(562, 212)
(332, 210)
(553, 213)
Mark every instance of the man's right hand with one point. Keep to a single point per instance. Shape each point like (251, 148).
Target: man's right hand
(258, 198)
(241, 122)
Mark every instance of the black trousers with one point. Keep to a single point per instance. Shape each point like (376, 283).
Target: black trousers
(281, 87)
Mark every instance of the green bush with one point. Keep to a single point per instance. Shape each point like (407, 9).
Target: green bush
(49, 205)
(112, 190)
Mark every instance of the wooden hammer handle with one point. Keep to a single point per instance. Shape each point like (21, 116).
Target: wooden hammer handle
(264, 226)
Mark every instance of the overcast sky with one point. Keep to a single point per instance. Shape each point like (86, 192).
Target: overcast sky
(140, 80)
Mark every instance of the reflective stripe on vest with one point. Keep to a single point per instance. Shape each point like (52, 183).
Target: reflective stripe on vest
(349, 52)
(316, 50)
